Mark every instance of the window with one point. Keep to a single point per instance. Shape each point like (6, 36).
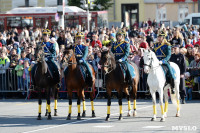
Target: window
(196, 20)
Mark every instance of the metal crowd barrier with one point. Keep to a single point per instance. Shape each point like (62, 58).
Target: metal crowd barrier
(101, 86)
(9, 82)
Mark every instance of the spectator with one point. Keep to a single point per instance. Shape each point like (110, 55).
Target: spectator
(96, 42)
(106, 41)
(144, 44)
(19, 68)
(2, 41)
(189, 83)
(26, 76)
(4, 64)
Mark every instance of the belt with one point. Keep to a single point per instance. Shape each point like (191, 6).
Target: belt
(119, 53)
(79, 55)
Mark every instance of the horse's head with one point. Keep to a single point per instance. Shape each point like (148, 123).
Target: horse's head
(107, 60)
(68, 55)
(147, 60)
(40, 54)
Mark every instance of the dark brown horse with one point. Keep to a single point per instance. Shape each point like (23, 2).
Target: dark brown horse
(44, 80)
(114, 79)
(75, 81)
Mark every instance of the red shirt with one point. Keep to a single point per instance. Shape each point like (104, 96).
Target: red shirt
(0, 45)
(144, 45)
(98, 42)
(197, 42)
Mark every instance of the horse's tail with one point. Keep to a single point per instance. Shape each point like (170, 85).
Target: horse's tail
(173, 98)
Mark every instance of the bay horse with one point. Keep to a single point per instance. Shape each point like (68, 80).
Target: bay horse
(157, 82)
(44, 80)
(75, 82)
(114, 79)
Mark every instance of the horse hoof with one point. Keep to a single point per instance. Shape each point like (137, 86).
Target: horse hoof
(165, 116)
(49, 118)
(120, 118)
(153, 119)
(107, 119)
(55, 114)
(93, 115)
(39, 118)
(83, 114)
(68, 118)
(46, 114)
(78, 118)
(162, 119)
(177, 115)
(128, 115)
(134, 113)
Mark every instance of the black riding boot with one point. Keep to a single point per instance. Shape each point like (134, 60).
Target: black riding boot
(172, 86)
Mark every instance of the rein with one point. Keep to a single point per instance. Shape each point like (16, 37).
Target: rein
(150, 65)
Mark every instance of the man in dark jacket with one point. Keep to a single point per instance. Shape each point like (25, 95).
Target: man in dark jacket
(179, 59)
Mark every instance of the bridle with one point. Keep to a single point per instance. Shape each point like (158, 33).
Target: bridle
(67, 60)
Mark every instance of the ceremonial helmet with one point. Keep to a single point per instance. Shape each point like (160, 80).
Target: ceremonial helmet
(121, 32)
(162, 33)
(79, 34)
(46, 32)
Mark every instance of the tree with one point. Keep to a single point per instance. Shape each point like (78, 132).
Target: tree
(74, 3)
(105, 4)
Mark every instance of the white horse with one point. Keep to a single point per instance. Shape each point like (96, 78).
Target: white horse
(156, 81)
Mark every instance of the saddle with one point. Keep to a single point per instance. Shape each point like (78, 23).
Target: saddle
(124, 71)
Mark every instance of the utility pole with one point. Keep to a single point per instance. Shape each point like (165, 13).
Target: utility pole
(198, 6)
(26, 3)
(61, 13)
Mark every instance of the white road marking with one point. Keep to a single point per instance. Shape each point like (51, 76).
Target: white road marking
(75, 122)
(153, 126)
(103, 126)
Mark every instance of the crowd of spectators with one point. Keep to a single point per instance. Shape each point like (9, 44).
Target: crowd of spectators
(17, 50)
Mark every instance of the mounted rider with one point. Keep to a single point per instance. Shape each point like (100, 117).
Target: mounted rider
(81, 53)
(162, 50)
(50, 57)
(121, 49)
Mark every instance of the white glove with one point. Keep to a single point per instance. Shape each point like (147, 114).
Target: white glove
(80, 61)
(160, 62)
(120, 60)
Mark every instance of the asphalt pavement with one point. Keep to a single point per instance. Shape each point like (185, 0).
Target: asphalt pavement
(19, 116)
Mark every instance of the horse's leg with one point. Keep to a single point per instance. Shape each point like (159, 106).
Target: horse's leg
(166, 101)
(129, 103)
(134, 98)
(92, 102)
(177, 99)
(40, 105)
(55, 101)
(70, 103)
(46, 107)
(108, 103)
(48, 104)
(153, 94)
(84, 107)
(120, 95)
(161, 104)
(79, 104)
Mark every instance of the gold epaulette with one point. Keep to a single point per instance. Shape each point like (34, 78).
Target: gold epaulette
(165, 42)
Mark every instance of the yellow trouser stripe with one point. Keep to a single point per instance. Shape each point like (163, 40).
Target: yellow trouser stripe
(108, 109)
(166, 106)
(84, 108)
(92, 105)
(129, 105)
(46, 106)
(154, 110)
(49, 108)
(178, 107)
(79, 108)
(40, 108)
(134, 106)
(162, 110)
(55, 101)
(120, 109)
(70, 109)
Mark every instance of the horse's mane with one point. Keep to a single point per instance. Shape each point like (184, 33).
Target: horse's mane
(112, 60)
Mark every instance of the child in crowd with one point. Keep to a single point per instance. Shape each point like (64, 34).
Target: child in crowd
(189, 83)
(19, 68)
